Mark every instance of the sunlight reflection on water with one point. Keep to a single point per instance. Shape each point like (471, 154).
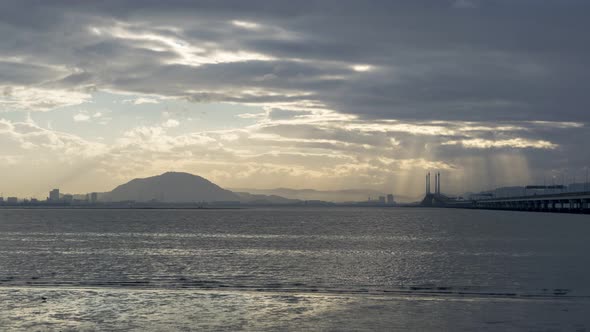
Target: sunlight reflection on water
(299, 264)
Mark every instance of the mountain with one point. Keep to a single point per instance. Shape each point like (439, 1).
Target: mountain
(178, 187)
(249, 198)
(350, 195)
(170, 187)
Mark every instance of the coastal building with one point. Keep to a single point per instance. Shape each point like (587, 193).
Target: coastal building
(54, 195)
(11, 200)
(93, 198)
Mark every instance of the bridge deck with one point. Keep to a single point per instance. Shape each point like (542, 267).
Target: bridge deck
(578, 202)
(547, 197)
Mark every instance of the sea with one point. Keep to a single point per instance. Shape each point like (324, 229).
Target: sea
(293, 269)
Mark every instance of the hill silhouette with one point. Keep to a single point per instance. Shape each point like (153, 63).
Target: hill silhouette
(170, 187)
(347, 195)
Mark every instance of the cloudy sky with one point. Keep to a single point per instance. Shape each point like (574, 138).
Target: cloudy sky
(302, 94)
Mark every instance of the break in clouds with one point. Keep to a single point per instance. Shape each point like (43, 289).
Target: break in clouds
(320, 94)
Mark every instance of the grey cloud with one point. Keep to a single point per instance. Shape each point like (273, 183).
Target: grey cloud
(485, 61)
(432, 60)
(74, 80)
(24, 74)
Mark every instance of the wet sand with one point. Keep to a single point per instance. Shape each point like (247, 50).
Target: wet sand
(122, 309)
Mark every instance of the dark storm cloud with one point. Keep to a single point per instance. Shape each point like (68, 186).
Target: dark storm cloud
(485, 60)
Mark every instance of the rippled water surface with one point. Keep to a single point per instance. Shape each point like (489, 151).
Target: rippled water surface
(268, 269)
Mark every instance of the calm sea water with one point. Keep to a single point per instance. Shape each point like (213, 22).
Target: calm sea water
(291, 269)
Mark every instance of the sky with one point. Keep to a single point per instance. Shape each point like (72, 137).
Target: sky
(301, 94)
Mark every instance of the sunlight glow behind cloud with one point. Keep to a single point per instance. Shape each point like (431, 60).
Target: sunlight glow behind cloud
(362, 68)
(246, 25)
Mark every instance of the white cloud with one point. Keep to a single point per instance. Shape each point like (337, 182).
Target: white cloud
(37, 99)
(518, 143)
(171, 123)
(141, 100)
(187, 52)
(81, 117)
(246, 25)
(31, 137)
(252, 115)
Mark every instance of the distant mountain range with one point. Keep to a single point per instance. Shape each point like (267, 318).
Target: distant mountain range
(265, 199)
(349, 195)
(179, 187)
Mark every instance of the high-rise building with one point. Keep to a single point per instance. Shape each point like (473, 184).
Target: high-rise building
(93, 197)
(11, 200)
(381, 199)
(390, 199)
(54, 195)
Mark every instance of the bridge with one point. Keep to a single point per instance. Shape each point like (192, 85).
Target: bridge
(576, 202)
(569, 202)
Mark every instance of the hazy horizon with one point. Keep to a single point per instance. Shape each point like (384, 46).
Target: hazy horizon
(328, 95)
(332, 195)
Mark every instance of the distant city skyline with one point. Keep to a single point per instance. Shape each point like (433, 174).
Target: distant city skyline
(372, 195)
(327, 95)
